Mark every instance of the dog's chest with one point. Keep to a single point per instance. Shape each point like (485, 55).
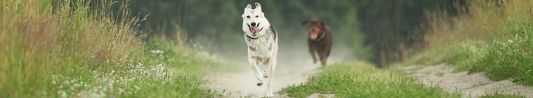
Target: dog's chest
(260, 44)
(260, 47)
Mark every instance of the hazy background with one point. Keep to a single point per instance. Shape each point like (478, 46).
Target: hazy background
(380, 31)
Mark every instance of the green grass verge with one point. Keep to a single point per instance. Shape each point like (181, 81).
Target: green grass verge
(51, 48)
(504, 54)
(179, 55)
(509, 59)
(461, 54)
(500, 95)
(361, 79)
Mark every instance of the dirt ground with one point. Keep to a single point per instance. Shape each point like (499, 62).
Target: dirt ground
(243, 84)
(470, 85)
(294, 67)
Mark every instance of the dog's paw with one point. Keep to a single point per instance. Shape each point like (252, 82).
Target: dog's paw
(265, 76)
(259, 84)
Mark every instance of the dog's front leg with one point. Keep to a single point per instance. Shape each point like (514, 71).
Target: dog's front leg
(257, 72)
(271, 69)
(312, 50)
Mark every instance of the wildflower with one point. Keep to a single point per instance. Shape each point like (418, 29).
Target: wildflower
(136, 87)
(157, 51)
(510, 41)
(63, 94)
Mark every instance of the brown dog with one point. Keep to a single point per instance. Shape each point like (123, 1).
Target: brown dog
(320, 39)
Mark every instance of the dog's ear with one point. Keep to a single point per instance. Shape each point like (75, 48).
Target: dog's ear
(322, 23)
(248, 7)
(305, 22)
(258, 7)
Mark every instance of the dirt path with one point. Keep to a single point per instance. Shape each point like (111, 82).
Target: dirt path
(294, 67)
(470, 85)
(243, 84)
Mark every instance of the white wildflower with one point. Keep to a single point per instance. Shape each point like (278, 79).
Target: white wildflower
(157, 51)
(62, 93)
(137, 87)
(510, 41)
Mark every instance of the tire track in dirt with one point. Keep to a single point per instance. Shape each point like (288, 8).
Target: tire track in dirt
(470, 85)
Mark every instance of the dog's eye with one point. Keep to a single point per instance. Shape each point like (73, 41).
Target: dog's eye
(247, 16)
(256, 16)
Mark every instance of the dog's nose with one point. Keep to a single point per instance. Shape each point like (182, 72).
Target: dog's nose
(253, 24)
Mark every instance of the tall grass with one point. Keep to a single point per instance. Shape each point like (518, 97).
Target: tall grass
(511, 55)
(491, 36)
(43, 38)
(54, 48)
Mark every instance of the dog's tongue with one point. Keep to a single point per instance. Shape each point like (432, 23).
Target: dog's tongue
(256, 29)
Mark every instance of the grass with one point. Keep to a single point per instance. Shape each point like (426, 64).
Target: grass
(493, 37)
(500, 45)
(189, 59)
(53, 48)
(500, 95)
(439, 74)
(361, 79)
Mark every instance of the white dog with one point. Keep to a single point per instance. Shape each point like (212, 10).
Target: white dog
(262, 42)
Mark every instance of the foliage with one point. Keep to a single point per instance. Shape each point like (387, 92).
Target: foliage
(390, 25)
(370, 29)
(500, 31)
(70, 49)
(511, 57)
(361, 79)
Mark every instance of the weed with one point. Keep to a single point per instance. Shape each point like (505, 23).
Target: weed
(500, 95)
(439, 74)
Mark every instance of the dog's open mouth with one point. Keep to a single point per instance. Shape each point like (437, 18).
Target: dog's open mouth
(255, 29)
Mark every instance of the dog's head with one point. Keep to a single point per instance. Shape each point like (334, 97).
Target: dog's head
(254, 21)
(315, 27)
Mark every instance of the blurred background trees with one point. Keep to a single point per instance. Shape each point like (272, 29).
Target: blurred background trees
(381, 31)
